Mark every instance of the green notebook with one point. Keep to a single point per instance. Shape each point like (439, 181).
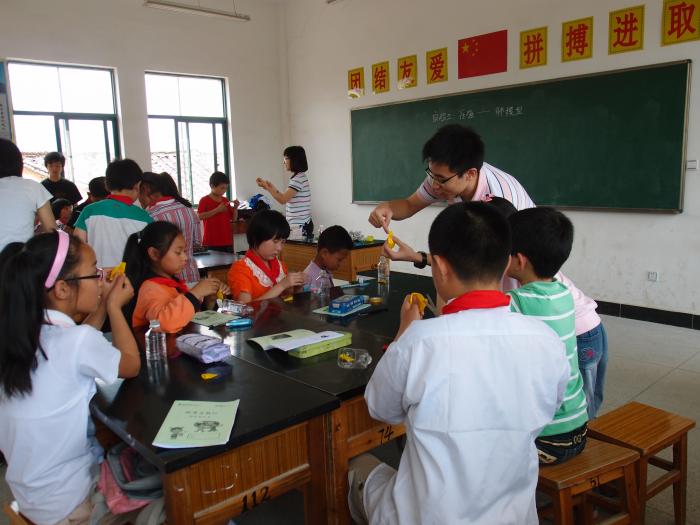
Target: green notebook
(327, 341)
(322, 347)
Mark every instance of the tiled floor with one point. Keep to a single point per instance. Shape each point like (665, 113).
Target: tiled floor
(651, 363)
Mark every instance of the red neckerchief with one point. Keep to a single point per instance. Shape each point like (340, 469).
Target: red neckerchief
(121, 198)
(476, 299)
(172, 282)
(154, 202)
(272, 271)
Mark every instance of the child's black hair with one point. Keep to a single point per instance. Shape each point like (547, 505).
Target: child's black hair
(11, 163)
(168, 188)
(297, 159)
(123, 175)
(24, 268)
(149, 180)
(98, 187)
(459, 147)
(57, 205)
(473, 238)
(334, 239)
(139, 266)
(54, 156)
(266, 225)
(217, 178)
(544, 235)
(502, 205)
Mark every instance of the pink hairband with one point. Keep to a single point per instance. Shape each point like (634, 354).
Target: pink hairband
(59, 259)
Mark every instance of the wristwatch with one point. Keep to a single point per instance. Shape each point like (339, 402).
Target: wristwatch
(423, 261)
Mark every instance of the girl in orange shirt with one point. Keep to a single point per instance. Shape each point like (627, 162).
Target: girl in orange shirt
(260, 274)
(154, 256)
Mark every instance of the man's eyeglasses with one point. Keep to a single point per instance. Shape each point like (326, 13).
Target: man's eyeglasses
(99, 275)
(439, 182)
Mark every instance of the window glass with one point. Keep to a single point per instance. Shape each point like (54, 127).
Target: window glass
(34, 88)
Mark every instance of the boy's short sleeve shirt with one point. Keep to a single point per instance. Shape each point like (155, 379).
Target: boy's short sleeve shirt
(553, 304)
(63, 189)
(217, 228)
(108, 225)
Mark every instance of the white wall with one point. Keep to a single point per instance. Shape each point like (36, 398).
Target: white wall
(613, 251)
(124, 35)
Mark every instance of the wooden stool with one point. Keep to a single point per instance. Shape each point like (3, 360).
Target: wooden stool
(15, 517)
(571, 483)
(649, 430)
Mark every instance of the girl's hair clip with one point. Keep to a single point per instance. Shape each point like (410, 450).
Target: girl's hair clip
(487, 198)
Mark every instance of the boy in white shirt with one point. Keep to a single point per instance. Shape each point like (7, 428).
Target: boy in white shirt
(474, 388)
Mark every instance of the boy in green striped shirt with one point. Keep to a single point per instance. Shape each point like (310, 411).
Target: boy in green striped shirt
(542, 239)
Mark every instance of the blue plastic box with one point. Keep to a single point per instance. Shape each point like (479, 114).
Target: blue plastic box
(345, 303)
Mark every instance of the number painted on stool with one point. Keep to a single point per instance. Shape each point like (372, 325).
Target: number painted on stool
(257, 498)
(386, 433)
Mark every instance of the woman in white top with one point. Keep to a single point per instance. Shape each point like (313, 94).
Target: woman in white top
(21, 200)
(297, 197)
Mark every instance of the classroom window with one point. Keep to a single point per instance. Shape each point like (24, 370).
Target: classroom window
(188, 130)
(70, 109)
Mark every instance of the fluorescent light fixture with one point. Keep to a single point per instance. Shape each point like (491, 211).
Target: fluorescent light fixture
(331, 1)
(195, 9)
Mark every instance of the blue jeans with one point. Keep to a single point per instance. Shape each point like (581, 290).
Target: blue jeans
(592, 362)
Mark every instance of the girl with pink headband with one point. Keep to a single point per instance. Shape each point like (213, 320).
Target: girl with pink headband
(48, 367)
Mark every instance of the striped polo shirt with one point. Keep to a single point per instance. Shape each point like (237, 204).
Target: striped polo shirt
(187, 220)
(108, 224)
(492, 181)
(552, 303)
(299, 206)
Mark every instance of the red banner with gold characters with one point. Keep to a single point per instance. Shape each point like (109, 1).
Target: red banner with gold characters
(436, 65)
(577, 39)
(356, 82)
(626, 30)
(483, 54)
(681, 21)
(407, 72)
(533, 48)
(380, 77)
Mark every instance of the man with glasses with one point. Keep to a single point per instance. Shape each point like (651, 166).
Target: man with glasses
(456, 172)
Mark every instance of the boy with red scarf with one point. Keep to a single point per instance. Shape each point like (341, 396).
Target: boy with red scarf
(474, 388)
(260, 274)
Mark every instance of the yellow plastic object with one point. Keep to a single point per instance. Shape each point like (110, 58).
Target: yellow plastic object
(117, 270)
(420, 300)
(219, 294)
(207, 376)
(288, 299)
(369, 238)
(345, 357)
(375, 300)
(390, 240)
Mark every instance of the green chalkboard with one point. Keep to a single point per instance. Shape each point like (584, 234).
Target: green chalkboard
(609, 140)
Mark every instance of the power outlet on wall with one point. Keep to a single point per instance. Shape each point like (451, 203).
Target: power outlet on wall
(653, 277)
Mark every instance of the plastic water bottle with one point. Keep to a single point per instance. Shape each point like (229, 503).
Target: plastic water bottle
(156, 349)
(383, 271)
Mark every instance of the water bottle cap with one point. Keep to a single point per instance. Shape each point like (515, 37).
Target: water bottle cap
(155, 323)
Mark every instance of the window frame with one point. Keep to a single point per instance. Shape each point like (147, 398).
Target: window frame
(187, 120)
(106, 118)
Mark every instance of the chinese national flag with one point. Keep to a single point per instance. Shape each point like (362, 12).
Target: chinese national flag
(483, 54)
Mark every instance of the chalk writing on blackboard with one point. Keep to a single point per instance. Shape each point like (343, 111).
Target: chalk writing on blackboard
(471, 113)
